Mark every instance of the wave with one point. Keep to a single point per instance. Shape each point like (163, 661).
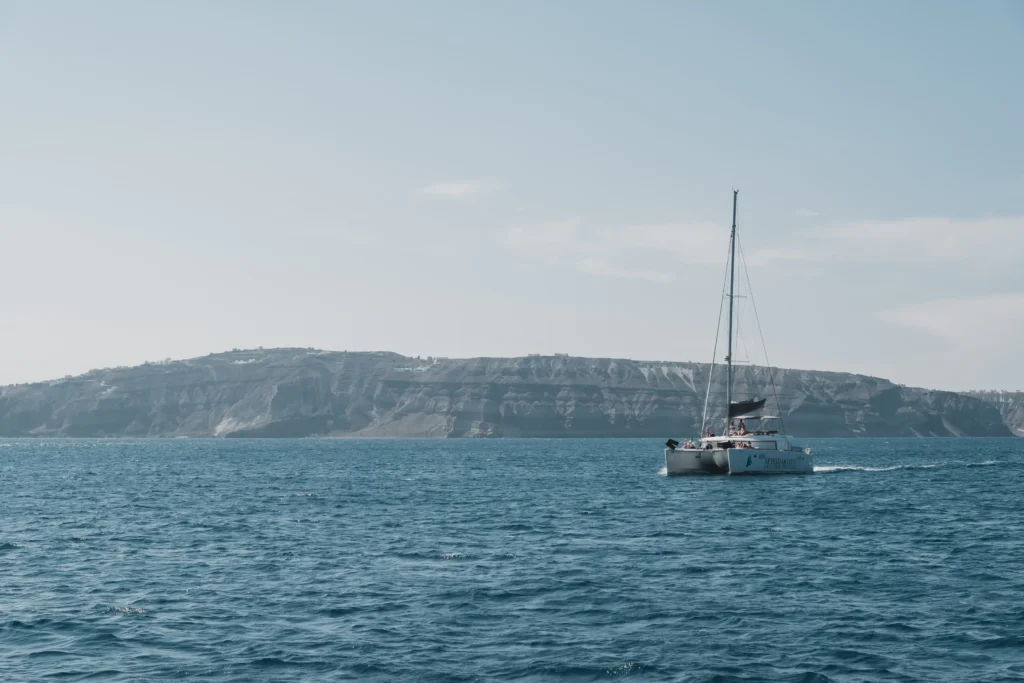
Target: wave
(453, 556)
(125, 609)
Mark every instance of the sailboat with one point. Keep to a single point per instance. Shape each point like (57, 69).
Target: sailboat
(761, 448)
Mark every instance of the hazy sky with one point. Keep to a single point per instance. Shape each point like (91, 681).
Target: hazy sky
(500, 178)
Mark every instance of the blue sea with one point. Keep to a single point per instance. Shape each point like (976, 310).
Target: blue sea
(518, 560)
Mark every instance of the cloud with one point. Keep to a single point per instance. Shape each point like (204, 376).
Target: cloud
(598, 267)
(701, 244)
(987, 243)
(608, 252)
(457, 190)
(546, 240)
(983, 322)
(599, 251)
(982, 241)
(693, 243)
(807, 213)
(771, 255)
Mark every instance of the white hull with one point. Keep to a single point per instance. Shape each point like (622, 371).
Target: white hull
(737, 461)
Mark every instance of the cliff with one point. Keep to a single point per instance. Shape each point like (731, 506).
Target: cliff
(1010, 405)
(305, 392)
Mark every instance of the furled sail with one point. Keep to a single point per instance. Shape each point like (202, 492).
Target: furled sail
(746, 408)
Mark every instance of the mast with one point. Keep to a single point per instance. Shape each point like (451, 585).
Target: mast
(732, 280)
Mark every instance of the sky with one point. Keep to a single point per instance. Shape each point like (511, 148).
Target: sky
(494, 179)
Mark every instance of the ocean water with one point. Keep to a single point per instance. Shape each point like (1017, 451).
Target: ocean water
(532, 560)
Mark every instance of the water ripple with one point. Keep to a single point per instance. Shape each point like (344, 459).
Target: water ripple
(326, 560)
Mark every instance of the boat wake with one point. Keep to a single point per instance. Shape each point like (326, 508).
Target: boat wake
(832, 469)
(829, 469)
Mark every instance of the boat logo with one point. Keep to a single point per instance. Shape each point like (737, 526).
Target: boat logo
(749, 459)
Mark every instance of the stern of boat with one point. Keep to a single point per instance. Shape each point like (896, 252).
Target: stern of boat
(693, 461)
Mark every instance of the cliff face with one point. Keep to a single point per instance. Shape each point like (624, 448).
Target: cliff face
(302, 392)
(1010, 405)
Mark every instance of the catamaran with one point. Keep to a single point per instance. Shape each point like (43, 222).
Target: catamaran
(758, 449)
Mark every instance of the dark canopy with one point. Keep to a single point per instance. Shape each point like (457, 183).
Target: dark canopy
(745, 408)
